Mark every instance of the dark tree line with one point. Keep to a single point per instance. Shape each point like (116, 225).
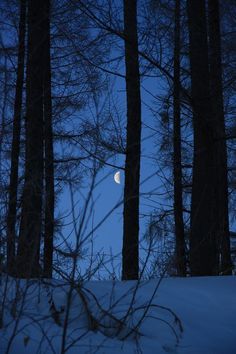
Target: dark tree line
(15, 149)
(38, 147)
(215, 60)
(209, 240)
(207, 252)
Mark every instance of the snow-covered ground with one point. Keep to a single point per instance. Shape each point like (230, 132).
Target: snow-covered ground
(119, 317)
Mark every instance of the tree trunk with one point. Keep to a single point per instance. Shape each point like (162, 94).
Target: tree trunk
(130, 252)
(221, 148)
(48, 148)
(3, 125)
(31, 214)
(15, 149)
(177, 169)
(203, 235)
(4, 107)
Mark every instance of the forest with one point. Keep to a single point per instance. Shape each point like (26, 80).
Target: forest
(117, 167)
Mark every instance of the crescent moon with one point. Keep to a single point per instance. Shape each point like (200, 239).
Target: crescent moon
(117, 177)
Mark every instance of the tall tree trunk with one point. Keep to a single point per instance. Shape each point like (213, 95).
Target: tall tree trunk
(177, 169)
(31, 214)
(221, 148)
(48, 148)
(130, 252)
(15, 149)
(203, 235)
(3, 111)
(2, 136)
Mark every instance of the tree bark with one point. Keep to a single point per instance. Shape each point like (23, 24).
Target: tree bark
(130, 252)
(31, 214)
(15, 146)
(48, 148)
(221, 148)
(177, 169)
(203, 236)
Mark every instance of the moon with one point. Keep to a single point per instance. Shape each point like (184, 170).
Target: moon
(117, 177)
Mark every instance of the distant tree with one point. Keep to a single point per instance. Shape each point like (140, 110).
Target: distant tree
(31, 213)
(221, 148)
(4, 95)
(48, 146)
(15, 146)
(130, 252)
(177, 160)
(203, 235)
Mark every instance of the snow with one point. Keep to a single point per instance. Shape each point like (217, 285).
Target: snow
(206, 307)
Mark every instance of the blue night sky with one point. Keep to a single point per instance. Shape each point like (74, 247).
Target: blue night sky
(108, 194)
